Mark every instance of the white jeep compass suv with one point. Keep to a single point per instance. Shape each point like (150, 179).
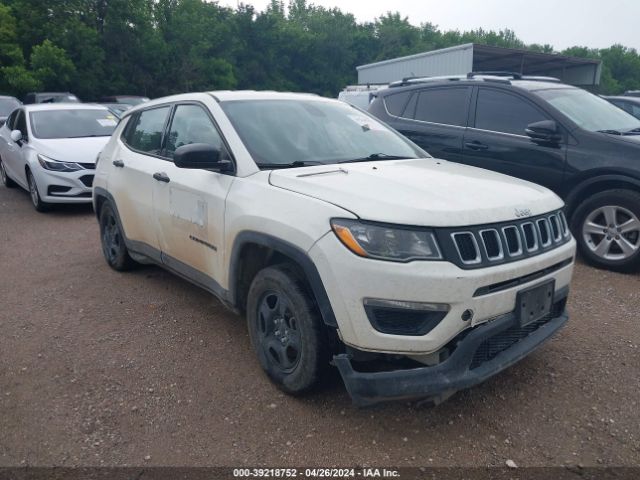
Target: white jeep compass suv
(341, 241)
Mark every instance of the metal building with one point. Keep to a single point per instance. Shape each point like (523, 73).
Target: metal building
(472, 57)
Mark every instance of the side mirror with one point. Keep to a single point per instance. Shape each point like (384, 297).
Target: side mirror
(16, 136)
(200, 156)
(546, 131)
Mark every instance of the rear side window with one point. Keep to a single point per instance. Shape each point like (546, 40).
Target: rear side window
(145, 132)
(396, 103)
(502, 112)
(443, 105)
(191, 124)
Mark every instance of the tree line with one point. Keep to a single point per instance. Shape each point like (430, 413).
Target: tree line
(159, 47)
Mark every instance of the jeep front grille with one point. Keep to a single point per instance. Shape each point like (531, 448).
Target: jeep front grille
(484, 245)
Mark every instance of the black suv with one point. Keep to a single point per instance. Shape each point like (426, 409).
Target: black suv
(538, 129)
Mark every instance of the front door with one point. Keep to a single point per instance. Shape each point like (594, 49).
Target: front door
(190, 203)
(497, 140)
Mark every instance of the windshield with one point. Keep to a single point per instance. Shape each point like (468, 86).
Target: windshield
(589, 111)
(8, 105)
(304, 132)
(72, 123)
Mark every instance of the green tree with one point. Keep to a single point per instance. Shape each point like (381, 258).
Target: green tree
(51, 66)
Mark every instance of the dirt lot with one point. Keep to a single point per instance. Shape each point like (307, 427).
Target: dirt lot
(102, 368)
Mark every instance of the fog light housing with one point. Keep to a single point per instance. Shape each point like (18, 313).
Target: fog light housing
(396, 317)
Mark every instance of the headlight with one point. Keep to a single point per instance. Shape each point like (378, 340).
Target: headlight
(56, 166)
(385, 242)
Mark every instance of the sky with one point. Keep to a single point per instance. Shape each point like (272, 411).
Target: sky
(561, 23)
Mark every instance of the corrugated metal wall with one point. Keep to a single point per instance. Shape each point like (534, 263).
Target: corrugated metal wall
(449, 61)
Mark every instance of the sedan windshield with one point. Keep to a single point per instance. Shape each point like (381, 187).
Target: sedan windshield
(8, 105)
(283, 133)
(589, 111)
(71, 123)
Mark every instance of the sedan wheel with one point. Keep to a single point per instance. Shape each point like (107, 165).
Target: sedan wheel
(39, 205)
(6, 181)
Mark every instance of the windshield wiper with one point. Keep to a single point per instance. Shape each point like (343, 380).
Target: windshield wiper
(296, 164)
(376, 156)
(610, 132)
(90, 136)
(633, 131)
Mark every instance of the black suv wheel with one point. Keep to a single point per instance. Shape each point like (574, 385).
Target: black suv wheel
(286, 330)
(607, 228)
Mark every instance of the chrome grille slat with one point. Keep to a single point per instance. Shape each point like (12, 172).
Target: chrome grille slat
(462, 247)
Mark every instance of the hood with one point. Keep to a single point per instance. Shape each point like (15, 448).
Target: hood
(80, 150)
(425, 192)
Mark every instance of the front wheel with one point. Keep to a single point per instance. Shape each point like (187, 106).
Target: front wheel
(286, 330)
(607, 228)
(34, 193)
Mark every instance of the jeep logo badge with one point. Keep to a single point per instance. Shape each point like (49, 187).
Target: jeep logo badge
(525, 212)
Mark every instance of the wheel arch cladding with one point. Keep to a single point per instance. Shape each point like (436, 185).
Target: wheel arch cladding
(258, 250)
(594, 185)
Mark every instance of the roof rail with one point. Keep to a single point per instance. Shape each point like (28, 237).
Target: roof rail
(416, 80)
(495, 73)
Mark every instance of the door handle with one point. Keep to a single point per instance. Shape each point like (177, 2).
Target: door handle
(118, 163)
(475, 145)
(161, 177)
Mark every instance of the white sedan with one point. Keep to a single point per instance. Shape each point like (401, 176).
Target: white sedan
(51, 150)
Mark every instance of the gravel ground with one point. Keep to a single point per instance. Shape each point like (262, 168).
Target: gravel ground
(142, 368)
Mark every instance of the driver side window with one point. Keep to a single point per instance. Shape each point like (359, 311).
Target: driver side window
(191, 124)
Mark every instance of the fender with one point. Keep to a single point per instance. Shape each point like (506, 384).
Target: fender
(576, 191)
(298, 255)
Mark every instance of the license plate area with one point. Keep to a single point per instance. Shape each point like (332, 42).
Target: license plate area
(534, 303)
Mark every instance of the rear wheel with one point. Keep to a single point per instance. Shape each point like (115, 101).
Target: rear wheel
(607, 228)
(38, 204)
(6, 181)
(112, 239)
(286, 330)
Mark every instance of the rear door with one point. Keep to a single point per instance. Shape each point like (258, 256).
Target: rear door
(435, 119)
(496, 139)
(189, 204)
(131, 180)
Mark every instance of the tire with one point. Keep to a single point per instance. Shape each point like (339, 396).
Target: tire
(6, 181)
(112, 240)
(286, 330)
(607, 229)
(34, 193)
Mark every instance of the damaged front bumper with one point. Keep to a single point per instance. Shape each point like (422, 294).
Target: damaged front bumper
(477, 354)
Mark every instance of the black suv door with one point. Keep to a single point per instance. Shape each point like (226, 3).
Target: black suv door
(434, 118)
(496, 139)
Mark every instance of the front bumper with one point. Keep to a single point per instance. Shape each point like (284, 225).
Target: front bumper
(64, 187)
(472, 361)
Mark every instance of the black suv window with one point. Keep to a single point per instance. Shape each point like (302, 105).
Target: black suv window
(443, 105)
(396, 103)
(503, 112)
(145, 133)
(191, 124)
